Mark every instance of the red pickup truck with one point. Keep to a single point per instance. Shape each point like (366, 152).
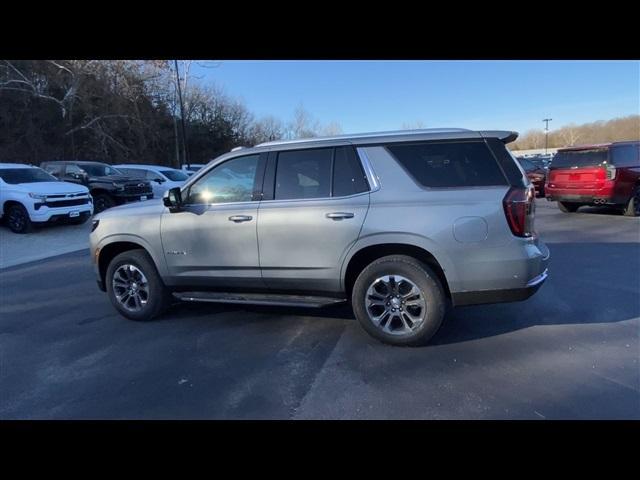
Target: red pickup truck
(602, 174)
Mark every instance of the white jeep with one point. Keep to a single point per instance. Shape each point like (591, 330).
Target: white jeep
(29, 195)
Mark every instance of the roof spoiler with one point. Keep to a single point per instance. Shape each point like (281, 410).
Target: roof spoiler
(504, 136)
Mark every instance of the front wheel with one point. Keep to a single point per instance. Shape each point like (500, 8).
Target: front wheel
(633, 207)
(101, 202)
(399, 300)
(568, 207)
(135, 287)
(18, 219)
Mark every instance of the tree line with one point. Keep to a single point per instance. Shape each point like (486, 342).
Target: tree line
(124, 111)
(614, 130)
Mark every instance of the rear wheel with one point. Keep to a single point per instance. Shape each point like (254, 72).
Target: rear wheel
(399, 301)
(633, 207)
(18, 219)
(567, 207)
(135, 287)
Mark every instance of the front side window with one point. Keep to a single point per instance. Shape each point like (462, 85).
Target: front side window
(232, 181)
(303, 174)
(54, 169)
(449, 164)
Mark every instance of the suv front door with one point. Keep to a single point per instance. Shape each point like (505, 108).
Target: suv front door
(212, 240)
(313, 208)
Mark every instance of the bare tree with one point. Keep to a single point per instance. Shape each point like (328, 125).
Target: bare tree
(331, 129)
(303, 124)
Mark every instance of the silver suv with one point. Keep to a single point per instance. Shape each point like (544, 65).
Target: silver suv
(402, 224)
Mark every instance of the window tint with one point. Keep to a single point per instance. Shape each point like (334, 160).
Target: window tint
(133, 172)
(580, 158)
(71, 168)
(54, 169)
(527, 165)
(348, 176)
(626, 155)
(462, 164)
(175, 175)
(303, 174)
(25, 175)
(151, 175)
(231, 181)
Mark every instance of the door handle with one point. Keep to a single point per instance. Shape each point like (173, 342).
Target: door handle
(240, 218)
(339, 215)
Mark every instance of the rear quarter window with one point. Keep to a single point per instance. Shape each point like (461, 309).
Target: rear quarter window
(449, 164)
(626, 155)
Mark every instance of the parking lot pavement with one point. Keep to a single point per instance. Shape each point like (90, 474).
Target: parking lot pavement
(569, 352)
(43, 242)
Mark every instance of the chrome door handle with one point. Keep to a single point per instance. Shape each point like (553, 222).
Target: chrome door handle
(240, 218)
(339, 215)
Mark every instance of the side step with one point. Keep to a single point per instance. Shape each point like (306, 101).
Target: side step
(259, 299)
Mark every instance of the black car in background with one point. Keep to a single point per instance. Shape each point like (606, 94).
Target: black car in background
(107, 185)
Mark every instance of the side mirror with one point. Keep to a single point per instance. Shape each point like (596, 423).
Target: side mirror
(173, 198)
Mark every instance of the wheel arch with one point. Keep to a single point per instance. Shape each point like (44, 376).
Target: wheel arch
(365, 253)
(123, 243)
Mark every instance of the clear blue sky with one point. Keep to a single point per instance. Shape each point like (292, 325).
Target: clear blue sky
(382, 95)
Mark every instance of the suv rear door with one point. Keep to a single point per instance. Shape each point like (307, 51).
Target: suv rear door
(314, 205)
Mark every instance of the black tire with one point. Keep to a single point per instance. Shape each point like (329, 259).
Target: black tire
(424, 279)
(567, 207)
(159, 296)
(102, 201)
(633, 206)
(18, 220)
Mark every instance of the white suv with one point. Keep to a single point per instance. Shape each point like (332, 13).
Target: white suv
(29, 195)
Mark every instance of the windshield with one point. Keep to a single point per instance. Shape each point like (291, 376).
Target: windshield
(174, 175)
(25, 175)
(580, 158)
(98, 170)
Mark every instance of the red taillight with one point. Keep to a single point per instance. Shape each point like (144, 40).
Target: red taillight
(519, 208)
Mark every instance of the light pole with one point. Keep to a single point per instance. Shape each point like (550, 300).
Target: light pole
(546, 133)
(184, 131)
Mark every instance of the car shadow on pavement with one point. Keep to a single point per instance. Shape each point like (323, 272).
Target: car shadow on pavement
(588, 283)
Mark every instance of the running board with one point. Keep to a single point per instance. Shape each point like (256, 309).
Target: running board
(259, 299)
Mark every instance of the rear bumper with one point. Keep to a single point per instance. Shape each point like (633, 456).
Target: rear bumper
(500, 296)
(600, 194)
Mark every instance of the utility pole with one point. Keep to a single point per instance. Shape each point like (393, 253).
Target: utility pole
(184, 131)
(546, 133)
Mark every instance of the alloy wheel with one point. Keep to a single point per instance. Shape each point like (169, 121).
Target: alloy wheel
(395, 305)
(130, 287)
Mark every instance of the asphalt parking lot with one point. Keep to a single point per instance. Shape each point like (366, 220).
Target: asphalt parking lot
(570, 352)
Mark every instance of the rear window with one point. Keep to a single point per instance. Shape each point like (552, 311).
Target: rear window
(580, 158)
(450, 164)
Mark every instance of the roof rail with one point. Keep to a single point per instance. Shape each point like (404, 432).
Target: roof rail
(234, 149)
(367, 135)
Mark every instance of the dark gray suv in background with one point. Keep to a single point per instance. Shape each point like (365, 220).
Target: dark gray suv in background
(401, 224)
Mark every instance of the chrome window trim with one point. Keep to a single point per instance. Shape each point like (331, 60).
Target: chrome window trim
(374, 182)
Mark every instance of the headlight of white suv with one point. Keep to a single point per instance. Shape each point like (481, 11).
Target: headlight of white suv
(38, 196)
